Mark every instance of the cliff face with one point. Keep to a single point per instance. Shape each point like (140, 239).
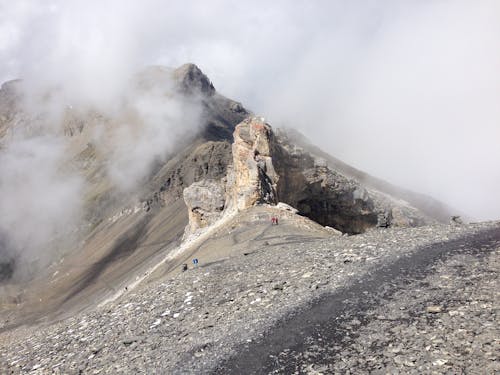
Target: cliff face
(253, 178)
(250, 178)
(205, 201)
(267, 169)
(234, 161)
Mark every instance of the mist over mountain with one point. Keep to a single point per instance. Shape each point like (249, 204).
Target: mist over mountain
(420, 78)
(247, 187)
(104, 211)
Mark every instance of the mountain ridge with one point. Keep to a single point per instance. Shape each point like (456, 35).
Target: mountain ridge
(126, 232)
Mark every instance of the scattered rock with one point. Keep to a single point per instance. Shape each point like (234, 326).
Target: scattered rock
(434, 309)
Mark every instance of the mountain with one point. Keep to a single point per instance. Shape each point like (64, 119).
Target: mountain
(146, 207)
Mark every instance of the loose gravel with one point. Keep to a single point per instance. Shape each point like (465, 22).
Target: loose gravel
(194, 322)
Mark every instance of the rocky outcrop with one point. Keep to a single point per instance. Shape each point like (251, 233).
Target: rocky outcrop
(205, 201)
(253, 178)
(333, 200)
(268, 169)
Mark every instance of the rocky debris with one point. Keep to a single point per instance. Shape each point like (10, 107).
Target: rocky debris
(286, 207)
(411, 334)
(205, 201)
(9, 102)
(433, 311)
(384, 219)
(333, 231)
(191, 322)
(120, 239)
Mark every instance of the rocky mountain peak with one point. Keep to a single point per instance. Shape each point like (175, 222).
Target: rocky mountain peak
(192, 80)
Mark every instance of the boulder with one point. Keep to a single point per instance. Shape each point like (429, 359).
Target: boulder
(205, 201)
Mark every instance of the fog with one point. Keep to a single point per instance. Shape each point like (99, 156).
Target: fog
(408, 91)
(38, 202)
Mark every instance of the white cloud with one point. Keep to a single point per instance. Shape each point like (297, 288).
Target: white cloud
(406, 90)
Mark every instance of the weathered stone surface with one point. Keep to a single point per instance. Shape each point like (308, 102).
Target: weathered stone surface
(286, 207)
(266, 168)
(191, 80)
(205, 201)
(330, 197)
(253, 177)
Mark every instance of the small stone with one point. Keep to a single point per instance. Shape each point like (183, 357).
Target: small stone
(440, 362)
(434, 309)
(130, 340)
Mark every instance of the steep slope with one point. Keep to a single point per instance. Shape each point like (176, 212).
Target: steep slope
(228, 164)
(426, 204)
(121, 231)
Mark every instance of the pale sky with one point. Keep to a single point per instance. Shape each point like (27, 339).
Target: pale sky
(408, 91)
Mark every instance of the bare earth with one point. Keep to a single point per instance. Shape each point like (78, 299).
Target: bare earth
(292, 299)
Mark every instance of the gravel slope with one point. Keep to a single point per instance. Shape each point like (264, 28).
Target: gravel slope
(434, 311)
(198, 320)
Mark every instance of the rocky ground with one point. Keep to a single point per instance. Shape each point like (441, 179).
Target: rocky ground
(436, 317)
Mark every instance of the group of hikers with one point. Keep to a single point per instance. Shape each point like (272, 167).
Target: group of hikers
(274, 220)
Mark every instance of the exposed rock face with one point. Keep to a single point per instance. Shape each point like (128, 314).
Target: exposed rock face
(250, 180)
(205, 201)
(268, 169)
(254, 179)
(232, 166)
(320, 193)
(192, 80)
(331, 199)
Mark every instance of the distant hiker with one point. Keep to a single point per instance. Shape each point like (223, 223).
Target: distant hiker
(276, 220)
(273, 220)
(184, 267)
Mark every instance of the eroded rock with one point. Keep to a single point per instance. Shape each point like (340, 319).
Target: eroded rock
(254, 178)
(205, 201)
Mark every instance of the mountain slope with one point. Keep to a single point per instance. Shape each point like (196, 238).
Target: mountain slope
(128, 225)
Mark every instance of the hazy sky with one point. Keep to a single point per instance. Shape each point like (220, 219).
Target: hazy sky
(406, 90)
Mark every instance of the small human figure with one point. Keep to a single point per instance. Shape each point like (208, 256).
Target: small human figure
(273, 220)
(276, 220)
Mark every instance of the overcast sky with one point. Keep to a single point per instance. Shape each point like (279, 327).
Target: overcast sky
(406, 90)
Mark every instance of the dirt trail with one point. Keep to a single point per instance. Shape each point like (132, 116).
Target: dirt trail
(287, 347)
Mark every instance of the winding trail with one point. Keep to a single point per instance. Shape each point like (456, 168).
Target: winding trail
(281, 349)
